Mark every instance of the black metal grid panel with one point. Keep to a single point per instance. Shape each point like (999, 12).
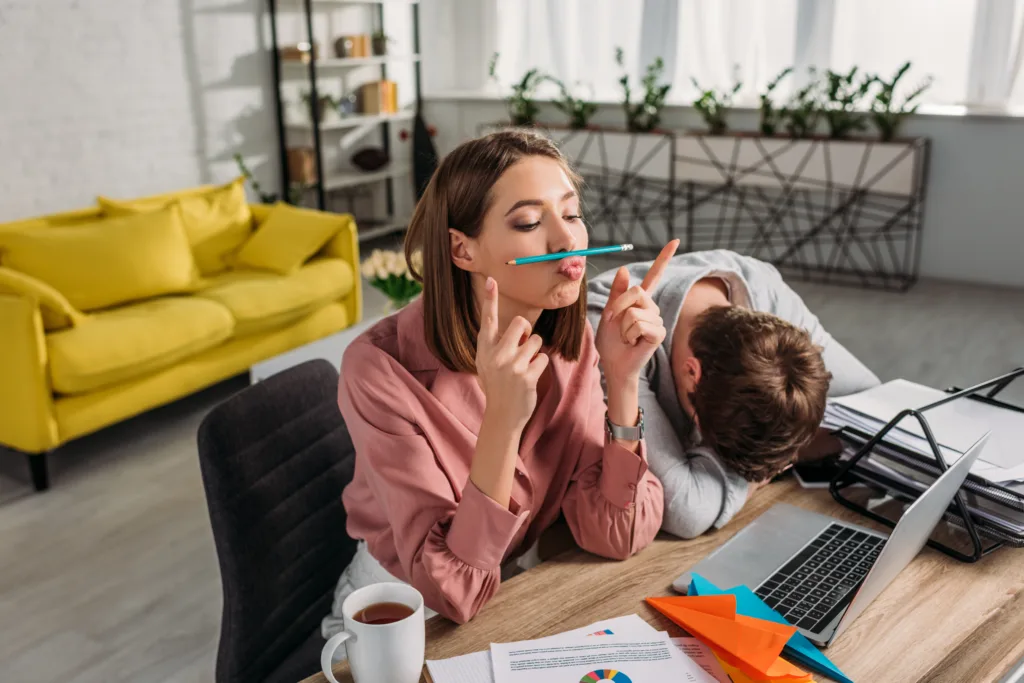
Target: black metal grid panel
(629, 189)
(817, 229)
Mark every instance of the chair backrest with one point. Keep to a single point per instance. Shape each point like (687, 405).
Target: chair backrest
(274, 459)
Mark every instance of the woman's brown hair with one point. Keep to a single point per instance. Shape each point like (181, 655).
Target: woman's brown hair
(458, 196)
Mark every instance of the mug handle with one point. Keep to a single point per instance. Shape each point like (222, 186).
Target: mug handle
(327, 654)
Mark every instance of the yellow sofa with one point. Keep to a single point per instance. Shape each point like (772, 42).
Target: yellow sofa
(66, 372)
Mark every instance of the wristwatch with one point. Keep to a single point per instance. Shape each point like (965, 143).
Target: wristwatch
(626, 433)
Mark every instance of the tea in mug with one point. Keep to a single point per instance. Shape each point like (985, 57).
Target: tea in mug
(382, 613)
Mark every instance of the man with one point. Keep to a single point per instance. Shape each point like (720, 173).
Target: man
(738, 387)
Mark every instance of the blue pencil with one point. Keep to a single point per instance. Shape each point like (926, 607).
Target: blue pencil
(566, 254)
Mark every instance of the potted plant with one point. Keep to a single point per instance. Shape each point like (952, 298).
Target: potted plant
(388, 272)
(843, 93)
(885, 114)
(295, 190)
(522, 108)
(770, 116)
(803, 111)
(713, 105)
(578, 109)
(326, 103)
(802, 160)
(643, 116)
(379, 43)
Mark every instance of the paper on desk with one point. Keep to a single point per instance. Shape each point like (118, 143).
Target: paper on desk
(797, 647)
(703, 657)
(619, 659)
(476, 666)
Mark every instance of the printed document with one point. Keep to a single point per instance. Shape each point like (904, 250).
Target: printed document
(476, 666)
(613, 658)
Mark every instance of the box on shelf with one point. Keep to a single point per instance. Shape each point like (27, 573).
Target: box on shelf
(299, 52)
(378, 97)
(301, 165)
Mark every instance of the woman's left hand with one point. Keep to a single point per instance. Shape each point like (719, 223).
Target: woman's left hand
(631, 328)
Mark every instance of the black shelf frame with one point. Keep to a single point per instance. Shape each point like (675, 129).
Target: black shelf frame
(312, 73)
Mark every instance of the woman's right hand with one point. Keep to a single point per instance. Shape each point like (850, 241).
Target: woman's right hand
(508, 365)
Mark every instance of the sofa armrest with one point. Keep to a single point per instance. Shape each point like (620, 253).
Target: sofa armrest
(56, 310)
(345, 246)
(27, 418)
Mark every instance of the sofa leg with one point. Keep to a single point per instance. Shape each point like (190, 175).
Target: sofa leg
(37, 466)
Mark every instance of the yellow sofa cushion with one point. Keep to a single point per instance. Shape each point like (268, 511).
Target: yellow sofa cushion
(108, 262)
(261, 301)
(134, 340)
(217, 221)
(287, 238)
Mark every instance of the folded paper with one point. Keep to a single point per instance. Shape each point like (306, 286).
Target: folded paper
(748, 644)
(797, 648)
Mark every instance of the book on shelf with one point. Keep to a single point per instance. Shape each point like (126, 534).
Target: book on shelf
(378, 97)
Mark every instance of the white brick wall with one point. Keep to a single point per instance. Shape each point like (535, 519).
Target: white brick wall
(128, 98)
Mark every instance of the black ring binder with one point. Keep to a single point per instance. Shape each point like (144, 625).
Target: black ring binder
(958, 513)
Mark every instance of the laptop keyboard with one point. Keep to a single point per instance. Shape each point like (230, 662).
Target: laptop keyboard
(813, 587)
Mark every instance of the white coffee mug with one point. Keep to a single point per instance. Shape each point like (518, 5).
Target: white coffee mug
(380, 653)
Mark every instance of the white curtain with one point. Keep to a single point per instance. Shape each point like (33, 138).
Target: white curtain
(725, 41)
(972, 49)
(996, 54)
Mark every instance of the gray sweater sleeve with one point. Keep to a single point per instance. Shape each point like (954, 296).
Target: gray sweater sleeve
(699, 492)
(849, 375)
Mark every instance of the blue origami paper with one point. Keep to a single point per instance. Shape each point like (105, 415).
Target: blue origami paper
(798, 648)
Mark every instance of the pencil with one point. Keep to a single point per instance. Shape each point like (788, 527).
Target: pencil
(566, 254)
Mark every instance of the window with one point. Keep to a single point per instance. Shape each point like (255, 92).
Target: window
(720, 42)
(972, 49)
(879, 35)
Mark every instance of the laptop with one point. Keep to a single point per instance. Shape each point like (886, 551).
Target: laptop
(821, 573)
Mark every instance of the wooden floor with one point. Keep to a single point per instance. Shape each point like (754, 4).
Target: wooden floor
(111, 575)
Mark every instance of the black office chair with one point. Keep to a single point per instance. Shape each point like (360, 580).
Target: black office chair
(274, 460)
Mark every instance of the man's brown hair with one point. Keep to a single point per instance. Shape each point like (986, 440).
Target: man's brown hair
(458, 196)
(762, 388)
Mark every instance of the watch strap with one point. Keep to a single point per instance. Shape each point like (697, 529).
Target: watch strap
(634, 433)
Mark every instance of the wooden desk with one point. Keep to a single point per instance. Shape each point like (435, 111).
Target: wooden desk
(940, 620)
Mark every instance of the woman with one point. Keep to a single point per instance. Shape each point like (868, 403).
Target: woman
(477, 412)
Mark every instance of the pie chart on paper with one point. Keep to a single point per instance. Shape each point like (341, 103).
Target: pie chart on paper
(606, 675)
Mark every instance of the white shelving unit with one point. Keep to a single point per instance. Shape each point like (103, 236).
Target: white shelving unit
(301, 69)
(334, 138)
(338, 181)
(354, 121)
(297, 4)
(382, 228)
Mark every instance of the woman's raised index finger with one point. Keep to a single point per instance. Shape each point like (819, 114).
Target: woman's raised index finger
(489, 311)
(658, 267)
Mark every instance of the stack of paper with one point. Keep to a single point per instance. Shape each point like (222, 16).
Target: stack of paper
(956, 426)
(893, 466)
(625, 649)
